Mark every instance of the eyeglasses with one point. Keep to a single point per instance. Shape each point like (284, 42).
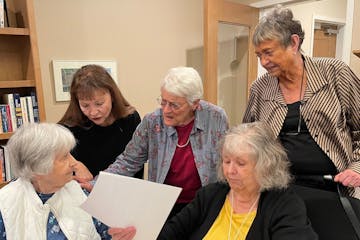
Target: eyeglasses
(172, 105)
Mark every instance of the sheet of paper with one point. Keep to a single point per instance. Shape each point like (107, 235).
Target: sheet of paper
(120, 201)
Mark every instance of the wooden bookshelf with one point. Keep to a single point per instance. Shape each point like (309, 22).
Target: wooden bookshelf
(19, 57)
(3, 184)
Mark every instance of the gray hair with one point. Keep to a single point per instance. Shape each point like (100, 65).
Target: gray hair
(278, 24)
(184, 82)
(34, 146)
(257, 139)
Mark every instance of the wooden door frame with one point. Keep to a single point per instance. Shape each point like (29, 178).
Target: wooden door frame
(216, 11)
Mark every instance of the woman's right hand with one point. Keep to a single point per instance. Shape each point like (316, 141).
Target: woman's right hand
(82, 172)
(127, 233)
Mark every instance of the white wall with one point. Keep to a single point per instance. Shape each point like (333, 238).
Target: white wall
(145, 37)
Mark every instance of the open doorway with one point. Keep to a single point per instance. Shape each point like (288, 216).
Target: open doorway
(328, 38)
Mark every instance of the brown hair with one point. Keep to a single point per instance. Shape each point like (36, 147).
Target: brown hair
(86, 80)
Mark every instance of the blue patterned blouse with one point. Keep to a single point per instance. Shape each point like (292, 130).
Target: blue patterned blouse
(53, 229)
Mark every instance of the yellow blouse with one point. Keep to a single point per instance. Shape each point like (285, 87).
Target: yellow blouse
(221, 226)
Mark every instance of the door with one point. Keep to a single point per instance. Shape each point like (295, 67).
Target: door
(230, 64)
(325, 41)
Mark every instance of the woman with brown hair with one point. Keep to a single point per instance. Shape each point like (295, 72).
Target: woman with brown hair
(100, 118)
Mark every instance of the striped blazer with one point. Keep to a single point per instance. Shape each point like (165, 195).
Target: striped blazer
(330, 108)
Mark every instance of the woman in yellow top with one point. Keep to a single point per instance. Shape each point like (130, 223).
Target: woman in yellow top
(252, 200)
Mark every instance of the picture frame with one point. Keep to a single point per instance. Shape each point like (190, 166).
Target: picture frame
(64, 70)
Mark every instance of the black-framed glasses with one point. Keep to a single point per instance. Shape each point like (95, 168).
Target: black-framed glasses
(172, 105)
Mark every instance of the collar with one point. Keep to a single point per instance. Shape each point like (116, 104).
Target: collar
(314, 83)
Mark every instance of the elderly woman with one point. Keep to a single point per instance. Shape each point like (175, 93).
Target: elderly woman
(43, 203)
(179, 139)
(252, 199)
(312, 104)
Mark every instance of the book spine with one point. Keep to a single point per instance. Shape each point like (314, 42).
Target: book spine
(8, 118)
(3, 118)
(2, 165)
(9, 99)
(35, 107)
(2, 13)
(18, 112)
(30, 109)
(8, 171)
(24, 110)
(1, 127)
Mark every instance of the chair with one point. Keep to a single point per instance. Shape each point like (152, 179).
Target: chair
(326, 213)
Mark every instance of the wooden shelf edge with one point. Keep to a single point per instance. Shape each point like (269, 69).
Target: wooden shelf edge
(14, 31)
(17, 84)
(5, 136)
(3, 184)
(357, 52)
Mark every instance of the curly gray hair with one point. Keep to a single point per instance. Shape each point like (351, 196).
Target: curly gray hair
(278, 24)
(257, 139)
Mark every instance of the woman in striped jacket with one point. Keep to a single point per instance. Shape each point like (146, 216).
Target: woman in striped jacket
(312, 104)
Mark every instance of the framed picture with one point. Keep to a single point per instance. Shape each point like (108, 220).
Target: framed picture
(64, 71)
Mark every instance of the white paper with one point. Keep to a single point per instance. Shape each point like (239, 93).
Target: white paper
(120, 201)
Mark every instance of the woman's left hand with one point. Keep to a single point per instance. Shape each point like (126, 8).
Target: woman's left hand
(348, 178)
(127, 233)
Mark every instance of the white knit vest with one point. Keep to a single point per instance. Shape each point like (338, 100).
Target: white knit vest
(26, 217)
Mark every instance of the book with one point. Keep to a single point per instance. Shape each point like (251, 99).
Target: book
(2, 165)
(4, 118)
(35, 106)
(8, 171)
(10, 15)
(18, 112)
(2, 13)
(24, 111)
(30, 110)
(9, 100)
(8, 118)
(1, 127)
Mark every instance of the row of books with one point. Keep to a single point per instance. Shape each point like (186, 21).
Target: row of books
(7, 15)
(5, 166)
(17, 110)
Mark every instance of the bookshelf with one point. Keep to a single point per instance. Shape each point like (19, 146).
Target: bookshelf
(19, 57)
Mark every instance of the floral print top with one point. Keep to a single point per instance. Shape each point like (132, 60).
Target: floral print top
(155, 143)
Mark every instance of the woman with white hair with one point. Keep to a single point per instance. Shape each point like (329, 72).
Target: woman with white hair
(178, 140)
(43, 202)
(252, 199)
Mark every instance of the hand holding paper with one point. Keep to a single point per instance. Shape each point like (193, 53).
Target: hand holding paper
(120, 201)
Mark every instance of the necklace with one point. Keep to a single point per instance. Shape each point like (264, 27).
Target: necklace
(300, 99)
(185, 144)
(301, 103)
(246, 217)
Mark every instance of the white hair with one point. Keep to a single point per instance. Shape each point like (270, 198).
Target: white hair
(184, 82)
(34, 146)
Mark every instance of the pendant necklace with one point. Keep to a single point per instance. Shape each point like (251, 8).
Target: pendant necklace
(246, 216)
(185, 144)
